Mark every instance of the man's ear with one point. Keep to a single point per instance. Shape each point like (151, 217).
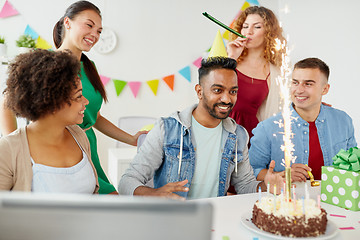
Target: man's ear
(326, 89)
(198, 90)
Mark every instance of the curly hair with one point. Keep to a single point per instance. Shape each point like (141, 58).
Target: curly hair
(41, 82)
(272, 29)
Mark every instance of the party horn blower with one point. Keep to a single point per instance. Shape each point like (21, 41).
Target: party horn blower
(222, 25)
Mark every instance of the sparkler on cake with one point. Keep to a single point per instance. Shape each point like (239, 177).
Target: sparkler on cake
(282, 214)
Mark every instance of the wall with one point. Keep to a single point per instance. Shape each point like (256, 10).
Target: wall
(159, 37)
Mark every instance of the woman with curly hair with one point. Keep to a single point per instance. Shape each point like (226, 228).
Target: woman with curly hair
(258, 66)
(52, 153)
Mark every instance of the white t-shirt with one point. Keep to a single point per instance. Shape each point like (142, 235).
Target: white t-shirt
(205, 182)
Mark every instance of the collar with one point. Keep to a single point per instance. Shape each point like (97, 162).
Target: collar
(184, 117)
(298, 121)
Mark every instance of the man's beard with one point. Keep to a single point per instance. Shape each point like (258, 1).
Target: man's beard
(212, 110)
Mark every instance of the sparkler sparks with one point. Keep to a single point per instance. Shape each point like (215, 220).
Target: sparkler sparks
(284, 82)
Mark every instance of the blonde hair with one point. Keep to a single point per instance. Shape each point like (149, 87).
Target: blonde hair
(272, 29)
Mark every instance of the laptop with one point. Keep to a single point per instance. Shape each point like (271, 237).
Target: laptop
(100, 217)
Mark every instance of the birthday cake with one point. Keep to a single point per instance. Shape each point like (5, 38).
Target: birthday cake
(299, 218)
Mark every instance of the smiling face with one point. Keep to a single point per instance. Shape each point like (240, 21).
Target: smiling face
(74, 113)
(253, 28)
(307, 88)
(83, 31)
(218, 93)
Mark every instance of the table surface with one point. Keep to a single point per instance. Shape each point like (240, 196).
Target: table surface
(228, 211)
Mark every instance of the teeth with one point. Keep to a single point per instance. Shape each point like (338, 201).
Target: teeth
(301, 98)
(224, 108)
(89, 41)
(81, 112)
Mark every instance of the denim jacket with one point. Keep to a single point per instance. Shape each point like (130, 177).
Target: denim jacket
(159, 157)
(334, 127)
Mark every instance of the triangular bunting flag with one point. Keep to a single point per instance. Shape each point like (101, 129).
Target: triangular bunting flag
(42, 43)
(119, 86)
(134, 86)
(226, 35)
(31, 32)
(104, 79)
(197, 62)
(253, 2)
(153, 84)
(185, 72)
(245, 6)
(8, 10)
(169, 80)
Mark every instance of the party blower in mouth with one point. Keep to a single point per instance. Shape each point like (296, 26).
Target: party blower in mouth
(222, 25)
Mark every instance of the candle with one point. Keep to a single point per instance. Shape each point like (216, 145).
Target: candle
(293, 190)
(259, 194)
(274, 189)
(294, 200)
(318, 200)
(274, 203)
(268, 188)
(306, 191)
(284, 187)
(303, 205)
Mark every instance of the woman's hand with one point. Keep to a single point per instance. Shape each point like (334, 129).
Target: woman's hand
(236, 47)
(136, 137)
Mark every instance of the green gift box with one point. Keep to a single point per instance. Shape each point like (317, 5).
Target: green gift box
(340, 183)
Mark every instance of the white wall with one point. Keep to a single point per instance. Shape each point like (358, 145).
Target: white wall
(159, 37)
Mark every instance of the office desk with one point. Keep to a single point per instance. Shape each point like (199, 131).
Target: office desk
(228, 211)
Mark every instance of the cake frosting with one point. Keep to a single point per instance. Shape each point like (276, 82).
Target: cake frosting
(302, 218)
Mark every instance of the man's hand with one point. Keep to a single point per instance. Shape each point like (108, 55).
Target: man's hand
(166, 191)
(273, 178)
(299, 172)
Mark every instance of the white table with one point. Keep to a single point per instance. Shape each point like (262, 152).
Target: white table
(118, 161)
(227, 212)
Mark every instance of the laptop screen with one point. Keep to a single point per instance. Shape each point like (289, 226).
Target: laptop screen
(48, 216)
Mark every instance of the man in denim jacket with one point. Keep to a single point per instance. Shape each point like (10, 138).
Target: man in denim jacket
(320, 131)
(191, 154)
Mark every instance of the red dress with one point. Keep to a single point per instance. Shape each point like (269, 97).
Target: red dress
(251, 94)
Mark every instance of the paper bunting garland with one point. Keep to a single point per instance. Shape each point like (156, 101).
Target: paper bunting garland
(8, 10)
(169, 80)
(119, 86)
(104, 79)
(253, 2)
(153, 84)
(134, 86)
(185, 72)
(31, 32)
(197, 62)
(42, 43)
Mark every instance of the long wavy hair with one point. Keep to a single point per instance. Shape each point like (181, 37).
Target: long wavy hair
(272, 31)
(59, 33)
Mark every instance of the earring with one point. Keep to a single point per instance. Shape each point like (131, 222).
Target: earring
(67, 27)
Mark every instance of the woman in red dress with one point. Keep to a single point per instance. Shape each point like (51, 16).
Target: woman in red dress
(258, 66)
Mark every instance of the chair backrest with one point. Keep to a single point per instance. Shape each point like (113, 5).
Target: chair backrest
(132, 124)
